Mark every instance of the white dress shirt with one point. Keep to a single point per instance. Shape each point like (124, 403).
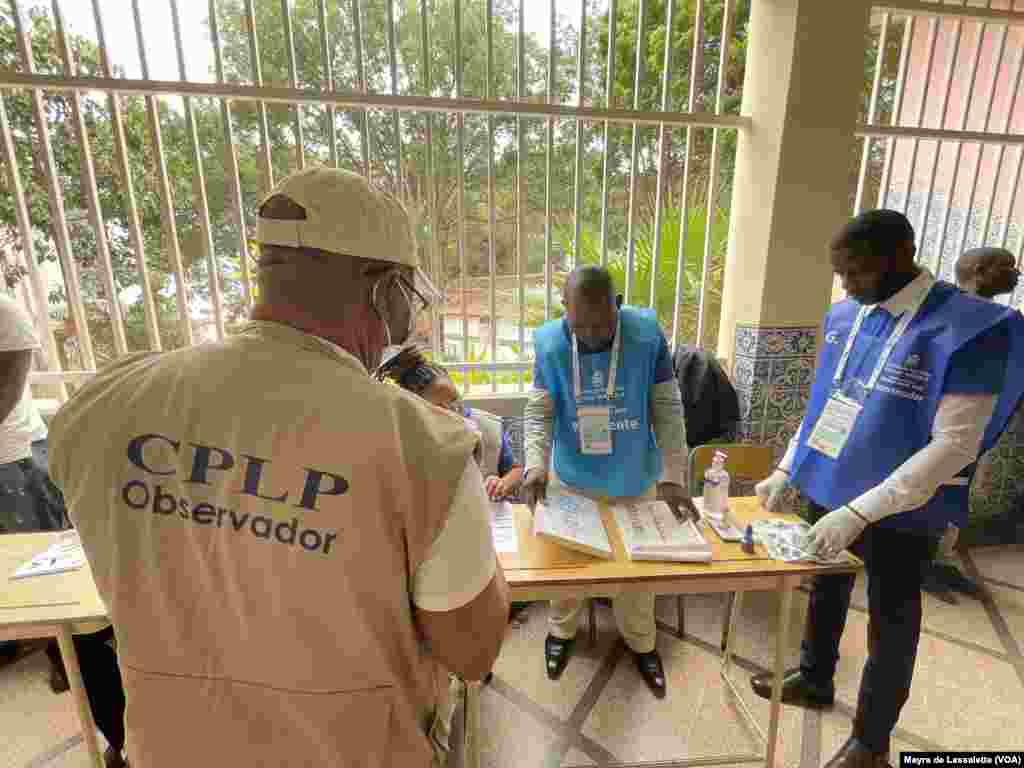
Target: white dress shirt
(957, 432)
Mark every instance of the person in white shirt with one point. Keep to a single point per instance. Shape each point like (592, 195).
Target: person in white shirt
(26, 503)
(910, 387)
(29, 501)
(291, 552)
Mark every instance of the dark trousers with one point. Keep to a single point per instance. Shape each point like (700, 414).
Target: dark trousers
(895, 561)
(102, 679)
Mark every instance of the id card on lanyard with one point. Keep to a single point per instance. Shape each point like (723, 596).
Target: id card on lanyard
(839, 417)
(595, 421)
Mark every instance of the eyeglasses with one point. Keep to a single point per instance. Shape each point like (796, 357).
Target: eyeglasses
(418, 303)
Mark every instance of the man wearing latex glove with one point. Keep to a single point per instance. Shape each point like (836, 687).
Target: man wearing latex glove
(915, 380)
(605, 420)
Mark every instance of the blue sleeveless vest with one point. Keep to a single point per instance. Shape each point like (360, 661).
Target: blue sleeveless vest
(897, 417)
(635, 462)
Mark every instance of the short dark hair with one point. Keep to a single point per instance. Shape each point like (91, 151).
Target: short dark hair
(591, 281)
(973, 258)
(875, 232)
(412, 370)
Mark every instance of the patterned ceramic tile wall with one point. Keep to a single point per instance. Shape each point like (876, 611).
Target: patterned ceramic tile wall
(772, 375)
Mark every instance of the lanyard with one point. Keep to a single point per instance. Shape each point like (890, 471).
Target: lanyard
(890, 343)
(613, 364)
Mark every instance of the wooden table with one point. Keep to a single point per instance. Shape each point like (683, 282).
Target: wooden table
(58, 605)
(542, 570)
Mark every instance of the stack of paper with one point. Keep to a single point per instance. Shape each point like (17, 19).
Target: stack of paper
(574, 522)
(503, 528)
(63, 555)
(651, 532)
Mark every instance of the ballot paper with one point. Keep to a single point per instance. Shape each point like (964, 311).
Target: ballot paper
(725, 528)
(787, 541)
(503, 528)
(574, 522)
(651, 532)
(63, 555)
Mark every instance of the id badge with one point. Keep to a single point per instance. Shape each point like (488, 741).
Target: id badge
(595, 430)
(834, 426)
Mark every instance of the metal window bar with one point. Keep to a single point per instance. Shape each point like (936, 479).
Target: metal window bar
(357, 33)
(520, 199)
(460, 152)
(389, 6)
(955, 177)
(166, 195)
(548, 160)
(1014, 90)
(609, 87)
(36, 279)
(988, 124)
(931, 9)
(937, 157)
(237, 212)
(325, 55)
(492, 258)
(128, 187)
(933, 35)
(664, 137)
(432, 104)
(578, 172)
(435, 259)
(728, 9)
(261, 107)
(696, 83)
(88, 181)
(199, 183)
(293, 77)
(858, 204)
(59, 225)
(634, 152)
(897, 108)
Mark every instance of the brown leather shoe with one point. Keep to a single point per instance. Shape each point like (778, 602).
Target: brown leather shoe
(796, 690)
(853, 754)
(652, 672)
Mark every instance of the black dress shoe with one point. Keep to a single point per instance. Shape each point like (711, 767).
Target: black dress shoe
(556, 655)
(796, 689)
(58, 680)
(652, 672)
(112, 758)
(853, 754)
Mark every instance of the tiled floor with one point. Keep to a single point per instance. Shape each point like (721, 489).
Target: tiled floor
(968, 688)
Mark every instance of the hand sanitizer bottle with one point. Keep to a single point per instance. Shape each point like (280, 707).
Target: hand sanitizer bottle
(716, 488)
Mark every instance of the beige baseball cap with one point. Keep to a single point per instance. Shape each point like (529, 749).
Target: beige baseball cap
(344, 215)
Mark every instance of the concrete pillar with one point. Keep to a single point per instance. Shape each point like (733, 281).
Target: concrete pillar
(804, 80)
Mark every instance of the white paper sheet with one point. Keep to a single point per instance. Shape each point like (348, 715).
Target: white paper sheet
(503, 528)
(65, 554)
(651, 532)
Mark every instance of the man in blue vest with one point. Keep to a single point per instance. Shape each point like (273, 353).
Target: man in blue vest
(914, 381)
(606, 417)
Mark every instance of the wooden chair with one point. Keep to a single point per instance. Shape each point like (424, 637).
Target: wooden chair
(747, 465)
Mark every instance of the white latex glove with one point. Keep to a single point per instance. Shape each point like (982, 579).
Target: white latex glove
(835, 531)
(770, 489)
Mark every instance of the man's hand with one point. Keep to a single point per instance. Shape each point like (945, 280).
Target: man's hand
(678, 501)
(770, 489)
(835, 532)
(534, 487)
(499, 488)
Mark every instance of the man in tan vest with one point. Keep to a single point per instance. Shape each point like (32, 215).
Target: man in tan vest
(291, 552)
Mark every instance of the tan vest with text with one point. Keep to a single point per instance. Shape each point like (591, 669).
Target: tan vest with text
(254, 511)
